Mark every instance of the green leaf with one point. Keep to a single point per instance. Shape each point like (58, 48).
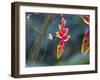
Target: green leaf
(36, 29)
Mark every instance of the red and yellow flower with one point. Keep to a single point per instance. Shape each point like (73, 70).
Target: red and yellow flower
(85, 43)
(62, 34)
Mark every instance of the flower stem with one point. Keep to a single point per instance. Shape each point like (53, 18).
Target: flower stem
(44, 50)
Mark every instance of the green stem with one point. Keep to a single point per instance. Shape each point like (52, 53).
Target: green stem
(37, 44)
(44, 50)
(34, 28)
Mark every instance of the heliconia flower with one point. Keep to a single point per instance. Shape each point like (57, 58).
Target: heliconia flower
(86, 19)
(60, 50)
(60, 47)
(62, 34)
(85, 43)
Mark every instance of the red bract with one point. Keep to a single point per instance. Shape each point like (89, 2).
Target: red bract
(62, 34)
(86, 19)
(85, 44)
